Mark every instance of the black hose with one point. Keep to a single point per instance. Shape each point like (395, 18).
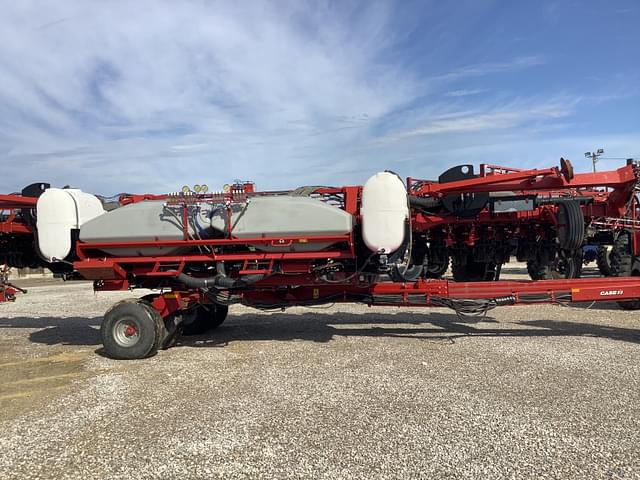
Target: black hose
(423, 202)
(219, 281)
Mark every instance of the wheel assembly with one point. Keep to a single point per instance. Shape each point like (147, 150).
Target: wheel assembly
(469, 270)
(131, 329)
(436, 269)
(565, 259)
(203, 318)
(570, 225)
(603, 261)
(621, 262)
(562, 265)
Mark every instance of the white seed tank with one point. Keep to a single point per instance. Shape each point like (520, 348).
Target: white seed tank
(384, 212)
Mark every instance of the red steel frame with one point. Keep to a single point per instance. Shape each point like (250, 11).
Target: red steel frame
(419, 294)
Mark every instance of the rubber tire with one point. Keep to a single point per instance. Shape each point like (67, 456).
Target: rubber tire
(168, 330)
(142, 314)
(548, 271)
(473, 271)
(571, 234)
(630, 304)
(621, 261)
(603, 262)
(436, 270)
(400, 275)
(207, 317)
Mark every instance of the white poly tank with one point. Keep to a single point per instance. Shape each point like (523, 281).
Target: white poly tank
(384, 211)
(285, 216)
(137, 222)
(59, 211)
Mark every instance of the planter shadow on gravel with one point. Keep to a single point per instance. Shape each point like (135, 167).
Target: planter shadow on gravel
(318, 327)
(81, 331)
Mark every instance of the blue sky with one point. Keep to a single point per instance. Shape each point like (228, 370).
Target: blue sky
(150, 95)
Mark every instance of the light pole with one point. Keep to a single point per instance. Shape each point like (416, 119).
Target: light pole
(594, 157)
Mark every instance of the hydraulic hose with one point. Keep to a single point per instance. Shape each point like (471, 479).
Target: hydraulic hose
(218, 281)
(423, 202)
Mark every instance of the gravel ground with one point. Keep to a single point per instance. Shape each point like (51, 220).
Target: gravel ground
(341, 392)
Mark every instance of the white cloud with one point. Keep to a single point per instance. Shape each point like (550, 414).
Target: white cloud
(185, 90)
(464, 92)
(151, 95)
(481, 69)
(443, 119)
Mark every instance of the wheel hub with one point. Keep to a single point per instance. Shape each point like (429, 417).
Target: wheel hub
(126, 333)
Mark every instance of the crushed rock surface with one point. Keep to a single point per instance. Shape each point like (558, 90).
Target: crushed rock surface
(339, 393)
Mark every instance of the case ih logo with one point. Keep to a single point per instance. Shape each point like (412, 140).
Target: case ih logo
(606, 293)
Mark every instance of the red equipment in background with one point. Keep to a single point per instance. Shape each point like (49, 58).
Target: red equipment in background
(11, 221)
(17, 247)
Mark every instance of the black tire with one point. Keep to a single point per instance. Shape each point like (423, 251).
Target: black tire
(203, 318)
(436, 270)
(169, 329)
(559, 268)
(130, 330)
(571, 225)
(603, 262)
(630, 304)
(621, 261)
(402, 274)
(473, 271)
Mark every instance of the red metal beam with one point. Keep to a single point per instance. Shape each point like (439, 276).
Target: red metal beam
(13, 227)
(494, 183)
(14, 201)
(580, 289)
(533, 180)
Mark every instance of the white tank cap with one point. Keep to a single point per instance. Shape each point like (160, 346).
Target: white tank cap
(384, 210)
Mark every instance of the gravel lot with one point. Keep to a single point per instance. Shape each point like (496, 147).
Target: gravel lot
(341, 392)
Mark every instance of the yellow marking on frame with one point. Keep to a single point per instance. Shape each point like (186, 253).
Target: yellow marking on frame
(316, 293)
